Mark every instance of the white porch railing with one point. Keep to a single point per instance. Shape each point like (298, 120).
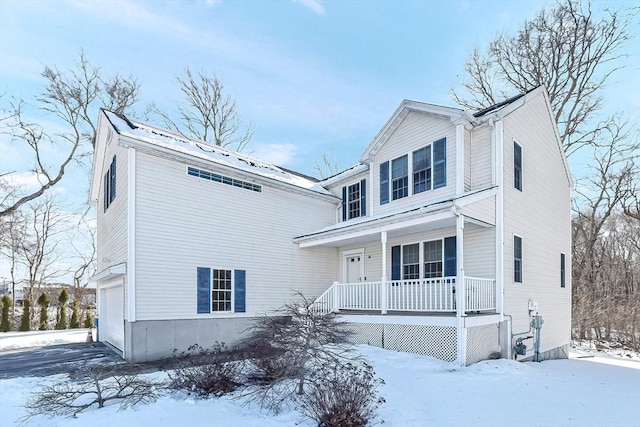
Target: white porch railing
(420, 295)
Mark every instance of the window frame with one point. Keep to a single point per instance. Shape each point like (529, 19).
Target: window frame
(428, 170)
(518, 261)
(399, 184)
(215, 302)
(563, 270)
(439, 263)
(421, 263)
(109, 185)
(354, 200)
(517, 166)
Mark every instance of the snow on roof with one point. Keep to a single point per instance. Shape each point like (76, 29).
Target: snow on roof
(176, 142)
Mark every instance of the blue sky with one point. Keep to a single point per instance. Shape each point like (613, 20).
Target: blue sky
(311, 76)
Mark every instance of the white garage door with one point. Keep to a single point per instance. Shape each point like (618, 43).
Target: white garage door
(112, 317)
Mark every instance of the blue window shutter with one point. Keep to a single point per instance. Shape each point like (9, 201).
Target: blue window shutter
(345, 202)
(450, 265)
(240, 291)
(395, 263)
(440, 163)
(363, 197)
(204, 290)
(384, 183)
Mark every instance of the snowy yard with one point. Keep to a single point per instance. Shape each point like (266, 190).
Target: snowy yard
(597, 391)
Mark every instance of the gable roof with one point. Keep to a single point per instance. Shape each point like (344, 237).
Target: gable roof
(163, 139)
(406, 106)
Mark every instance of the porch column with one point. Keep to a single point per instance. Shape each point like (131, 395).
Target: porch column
(461, 293)
(383, 280)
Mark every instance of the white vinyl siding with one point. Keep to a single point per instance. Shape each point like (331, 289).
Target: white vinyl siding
(541, 214)
(481, 158)
(416, 131)
(112, 223)
(186, 223)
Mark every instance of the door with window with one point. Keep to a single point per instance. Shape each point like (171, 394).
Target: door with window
(353, 268)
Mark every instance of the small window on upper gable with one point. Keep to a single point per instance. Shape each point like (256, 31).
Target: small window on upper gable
(109, 185)
(517, 166)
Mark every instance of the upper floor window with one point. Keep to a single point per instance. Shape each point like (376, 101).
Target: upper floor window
(422, 170)
(400, 177)
(517, 166)
(562, 271)
(427, 169)
(109, 185)
(354, 200)
(517, 259)
(223, 179)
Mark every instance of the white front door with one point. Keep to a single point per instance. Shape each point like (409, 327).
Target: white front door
(353, 268)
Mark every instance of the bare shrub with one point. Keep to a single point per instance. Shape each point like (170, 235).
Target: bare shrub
(285, 348)
(206, 372)
(342, 395)
(91, 387)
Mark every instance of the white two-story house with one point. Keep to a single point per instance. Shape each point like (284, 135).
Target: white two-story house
(446, 238)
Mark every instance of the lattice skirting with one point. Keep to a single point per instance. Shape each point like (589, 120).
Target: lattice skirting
(435, 341)
(482, 343)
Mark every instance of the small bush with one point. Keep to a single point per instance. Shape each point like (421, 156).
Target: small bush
(207, 372)
(5, 325)
(88, 320)
(43, 302)
(25, 324)
(63, 299)
(342, 395)
(75, 317)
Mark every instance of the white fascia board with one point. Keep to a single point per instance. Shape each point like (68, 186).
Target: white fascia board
(98, 160)
(399, 115)
(110, 273)
(345, 175)
(370, 228)
(169, 154)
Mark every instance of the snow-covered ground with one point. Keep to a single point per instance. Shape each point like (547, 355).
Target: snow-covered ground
(598, 390)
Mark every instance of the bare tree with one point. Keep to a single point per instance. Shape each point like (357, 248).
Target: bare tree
(567, 49)
(95, 387)
(72, 98)
(40, 245)
(207, 112)
(327, 166)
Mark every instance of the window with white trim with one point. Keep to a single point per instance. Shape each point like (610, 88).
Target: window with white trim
(353, 200)
(427, 169)
(517, 259)
(517, 166)
(109, 185)
(400, 177)
(411, 261)
(562, 271)
(220, 290)
(422, 170)
(433, 259)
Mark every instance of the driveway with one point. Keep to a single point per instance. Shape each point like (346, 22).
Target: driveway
(55, 359)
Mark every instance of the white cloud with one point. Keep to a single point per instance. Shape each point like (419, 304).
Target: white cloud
(315, 6)
(28, 179)
(277, 154)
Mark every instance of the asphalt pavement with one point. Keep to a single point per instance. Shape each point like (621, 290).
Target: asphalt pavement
(55, 359)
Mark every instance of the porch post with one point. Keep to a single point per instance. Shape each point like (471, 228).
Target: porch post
(383, 284)
(336, 297)
(461, 293)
